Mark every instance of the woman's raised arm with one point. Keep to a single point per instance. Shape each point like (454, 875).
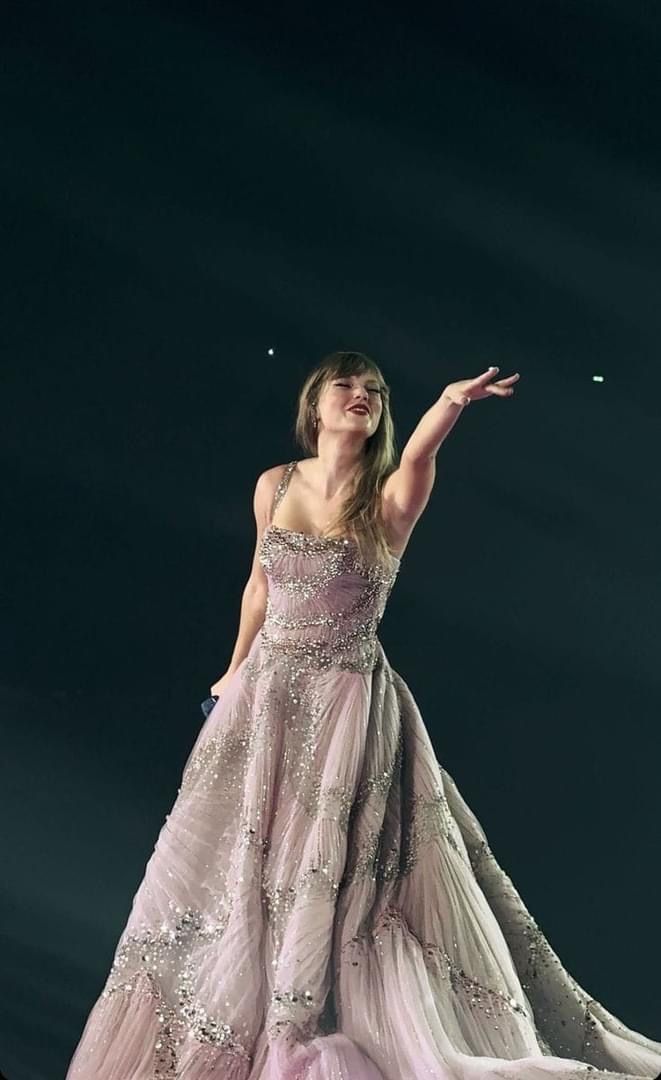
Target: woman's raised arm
(406, 491)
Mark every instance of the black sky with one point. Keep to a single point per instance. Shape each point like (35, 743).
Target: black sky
(186, 186)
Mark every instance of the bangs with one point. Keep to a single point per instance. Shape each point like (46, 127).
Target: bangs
(354, 363)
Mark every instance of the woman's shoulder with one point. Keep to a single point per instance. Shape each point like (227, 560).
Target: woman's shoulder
(272, 476)
(268, 480)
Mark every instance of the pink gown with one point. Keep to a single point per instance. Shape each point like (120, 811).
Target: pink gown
(321, 903)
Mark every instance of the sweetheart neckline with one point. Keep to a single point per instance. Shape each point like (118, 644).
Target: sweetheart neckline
(316, 536)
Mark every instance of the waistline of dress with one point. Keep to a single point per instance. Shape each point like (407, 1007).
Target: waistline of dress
(357, 649)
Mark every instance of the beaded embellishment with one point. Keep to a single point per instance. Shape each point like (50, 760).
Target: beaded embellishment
(324, 603)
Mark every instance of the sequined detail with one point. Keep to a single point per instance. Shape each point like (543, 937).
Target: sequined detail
(303, 625)
(282, 486)
(143, 984)
(492, 1002)
(154, 957)
(317, 855)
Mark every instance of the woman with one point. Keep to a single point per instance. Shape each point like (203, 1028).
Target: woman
(321, 902)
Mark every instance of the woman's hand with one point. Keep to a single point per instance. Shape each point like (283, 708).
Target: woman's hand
(217, 687)
(467, 390)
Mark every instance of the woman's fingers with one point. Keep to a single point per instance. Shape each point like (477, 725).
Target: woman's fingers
(503, 388)
(501, 382)
(481, 386)
(491, 373)
(485, 376)
(499, 391)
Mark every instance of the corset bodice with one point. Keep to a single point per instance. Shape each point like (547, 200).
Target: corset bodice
(324, 603)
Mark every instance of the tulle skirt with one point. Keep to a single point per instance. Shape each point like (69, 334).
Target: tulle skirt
(321, 903)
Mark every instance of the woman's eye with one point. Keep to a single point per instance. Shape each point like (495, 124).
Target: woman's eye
(370, 389)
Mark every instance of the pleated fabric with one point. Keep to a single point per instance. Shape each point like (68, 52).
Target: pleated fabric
(321, 903)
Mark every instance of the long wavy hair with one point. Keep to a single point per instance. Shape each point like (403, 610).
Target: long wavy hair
(360, 515)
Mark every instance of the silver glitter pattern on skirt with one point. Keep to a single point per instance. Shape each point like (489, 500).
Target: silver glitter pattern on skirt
(320, 878)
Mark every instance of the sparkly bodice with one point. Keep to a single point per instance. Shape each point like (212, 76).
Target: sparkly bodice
(321, 900)
(324, 602)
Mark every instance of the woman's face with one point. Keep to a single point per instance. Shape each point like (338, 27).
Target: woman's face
(350, 403)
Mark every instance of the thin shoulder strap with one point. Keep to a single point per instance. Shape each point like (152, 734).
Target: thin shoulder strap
(283, 484)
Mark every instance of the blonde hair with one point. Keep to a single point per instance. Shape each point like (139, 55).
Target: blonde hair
(360, 516)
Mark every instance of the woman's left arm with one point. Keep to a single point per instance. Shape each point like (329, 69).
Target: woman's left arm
(406, 491)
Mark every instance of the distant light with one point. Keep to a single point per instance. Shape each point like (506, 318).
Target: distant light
(270, 351)
(597, 378)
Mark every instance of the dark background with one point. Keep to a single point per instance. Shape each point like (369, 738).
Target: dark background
(185, 186)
